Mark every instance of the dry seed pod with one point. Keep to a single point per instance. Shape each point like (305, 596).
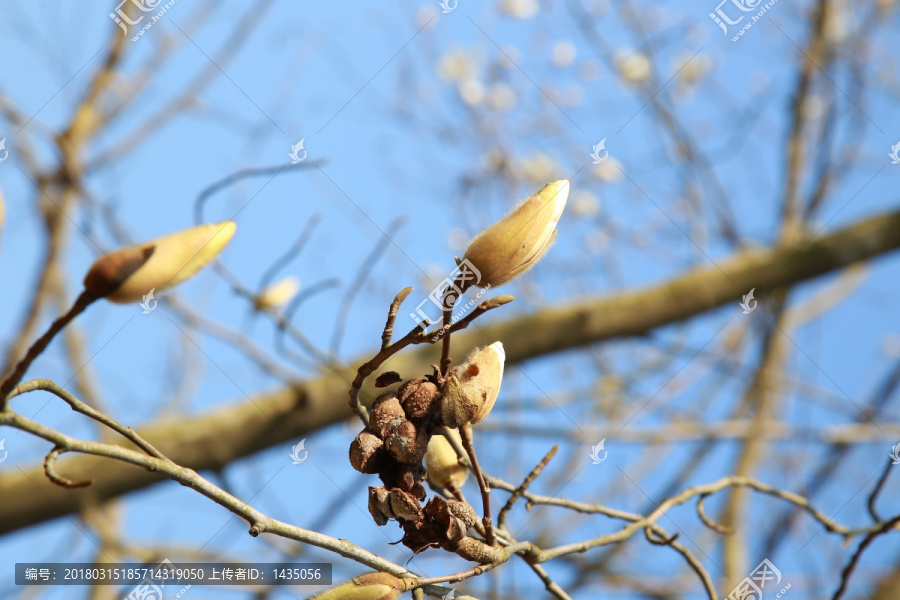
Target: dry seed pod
(404, 477)
(471, 388)
(442, 463)
(387, 415)
(404, 506)
(407, 444)
(128, 274)
(370, 586)
(380, 505)
(367, 453)
(417, 398)
(516, 242)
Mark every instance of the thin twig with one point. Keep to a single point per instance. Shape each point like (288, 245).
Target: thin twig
(465, 433)
(501, 518)
(848, 570)
(81, 303)
(873, 497)
(365, 269)
(709, 522)
(388, 332)
(80, 407)
(551, 586)
(52, 475)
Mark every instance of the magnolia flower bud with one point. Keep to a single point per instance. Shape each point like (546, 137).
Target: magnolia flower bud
(127, 274)
(278, 294)
(472, 388)
(442, 463)
(514, 244)
(370, 586)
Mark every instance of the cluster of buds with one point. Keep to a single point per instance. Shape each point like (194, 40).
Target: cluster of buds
(406, 423)
(403, 425)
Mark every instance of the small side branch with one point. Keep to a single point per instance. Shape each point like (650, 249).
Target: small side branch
(81, 303)
(501, 518)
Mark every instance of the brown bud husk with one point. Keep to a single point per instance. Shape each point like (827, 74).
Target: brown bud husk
(387, 415)
(472, 388)
(367, 454)
(407, 443)
(442, 463)
(405, 477)
(370, 586)
(417, 398)
(405, 506)
(380, 505)
(516, 242)
(128, 274)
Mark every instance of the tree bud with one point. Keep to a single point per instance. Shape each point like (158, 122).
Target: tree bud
(277, 294)
(514, 244)
(370, 586)
(442, 463)
(472, 388)
(128, 274)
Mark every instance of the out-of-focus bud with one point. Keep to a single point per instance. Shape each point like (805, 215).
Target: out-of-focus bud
(127, 274)
(514, 244)
(442, 463)
(278, 294)
(370, 586)
(472, 388)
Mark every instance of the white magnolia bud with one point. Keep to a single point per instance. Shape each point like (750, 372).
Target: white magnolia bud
(370, 586)
(442, 462)
(127, 274)
(278, 294)
(472, 387)
(516, 242)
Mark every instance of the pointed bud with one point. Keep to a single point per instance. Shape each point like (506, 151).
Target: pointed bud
(370, 586)
(472, 388)
(278, 294)
(442, 463)
(514, 244)
(127, 274)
